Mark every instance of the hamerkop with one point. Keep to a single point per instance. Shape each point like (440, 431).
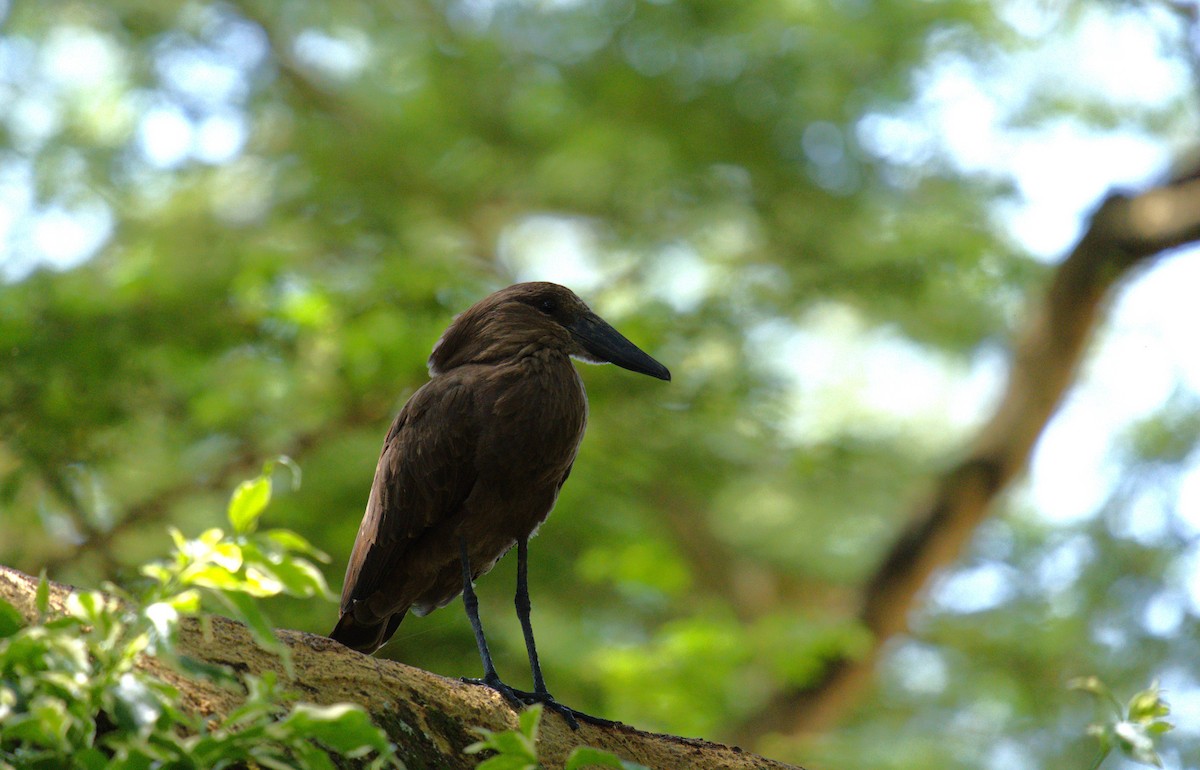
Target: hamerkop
(473, 464)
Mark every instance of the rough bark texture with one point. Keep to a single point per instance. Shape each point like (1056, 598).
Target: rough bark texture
(428, 717)
(1124, 232)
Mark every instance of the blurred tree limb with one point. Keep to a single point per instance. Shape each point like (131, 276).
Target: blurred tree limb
(429, 718)
(158, 506)
(1126, 231)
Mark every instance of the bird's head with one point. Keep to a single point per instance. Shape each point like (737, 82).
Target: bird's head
(507, 323)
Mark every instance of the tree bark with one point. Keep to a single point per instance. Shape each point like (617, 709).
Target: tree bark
(429, 717)
(1124, 232)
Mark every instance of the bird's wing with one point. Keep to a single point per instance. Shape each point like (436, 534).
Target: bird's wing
(425, 472)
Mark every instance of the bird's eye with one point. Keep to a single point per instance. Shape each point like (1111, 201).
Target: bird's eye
(547, 305)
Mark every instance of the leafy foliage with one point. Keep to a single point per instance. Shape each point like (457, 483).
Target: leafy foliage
(1133, 728)
(74, 695)
(517, 749)
(241, 568)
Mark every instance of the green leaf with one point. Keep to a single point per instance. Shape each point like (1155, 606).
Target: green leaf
(298, 577)
(1159, 727)
(1148, 705)
(261, 583)
(345, 728)
(135, 707)
(588, 757)
(246, 609)
(290, 541)
(216, 577)
(178, 538)
(311, 758)
(42, 602)
(247, 504)
(199, 668)
(1093, 685)
(507, 762)
(513, 743)
(89, 759)
(518, 744)
(529, 719)
(288, 463)
(11, 620)
(187, 602)
(91, 607)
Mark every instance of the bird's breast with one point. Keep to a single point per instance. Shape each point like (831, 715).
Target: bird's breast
(538, 418)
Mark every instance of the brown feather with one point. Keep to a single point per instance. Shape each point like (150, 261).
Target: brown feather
(479, 453)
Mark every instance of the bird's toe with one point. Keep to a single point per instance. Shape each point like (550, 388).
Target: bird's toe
(520, 699)
(494, 682)
(570, 715)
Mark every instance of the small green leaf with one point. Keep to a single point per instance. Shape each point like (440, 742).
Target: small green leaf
(11, 620)
(135, 707)
(158, 573)
(261, 583)
(246, 609)
(529, 720)
(513, 743)
(1093, 685)
(91, 607)
(345, 728)
(199, 668)
(1159, 727)
(298, 577)
(1090, 684)
(288, 463)
(311, 758)
(290, 541)
(89, 759)
(8, 702)
(507, 762)
(216, 577)
(185, 602)
(42, 601)
(1148, 705)
(510, 745)
(178, 538)
(586, 756)
(247, 504)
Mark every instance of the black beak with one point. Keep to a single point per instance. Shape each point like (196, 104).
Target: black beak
(608, 345)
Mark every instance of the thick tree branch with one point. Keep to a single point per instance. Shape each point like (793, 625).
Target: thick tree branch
(428, 717)
(1125, 231)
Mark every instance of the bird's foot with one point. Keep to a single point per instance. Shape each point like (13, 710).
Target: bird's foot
(569, 714)
(507, 692)
(522, 698)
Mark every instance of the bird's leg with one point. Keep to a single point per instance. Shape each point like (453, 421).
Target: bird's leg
(518, 698)
(540, 694)
(523, 609)
(471, 602)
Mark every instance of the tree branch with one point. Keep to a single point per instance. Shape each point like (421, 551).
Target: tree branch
(159, 506)
(428, 717)
(1124, 232)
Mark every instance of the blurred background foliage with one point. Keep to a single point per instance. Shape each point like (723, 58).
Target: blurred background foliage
(233, 230)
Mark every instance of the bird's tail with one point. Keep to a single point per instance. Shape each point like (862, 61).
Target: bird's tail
(365, 637)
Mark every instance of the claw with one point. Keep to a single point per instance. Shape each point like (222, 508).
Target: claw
(523, 698)
(547, 701)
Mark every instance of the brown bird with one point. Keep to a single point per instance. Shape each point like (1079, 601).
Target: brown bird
(473, 464)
